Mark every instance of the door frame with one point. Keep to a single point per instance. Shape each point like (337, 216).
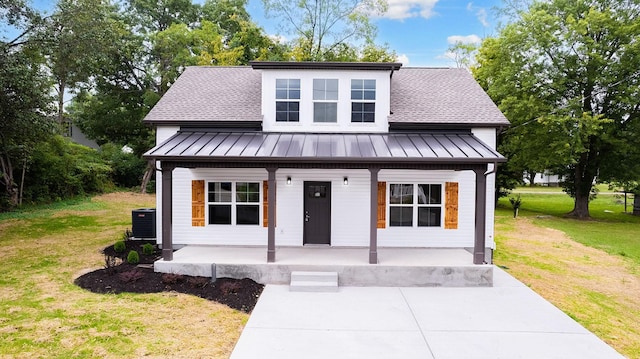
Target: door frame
(326, 213)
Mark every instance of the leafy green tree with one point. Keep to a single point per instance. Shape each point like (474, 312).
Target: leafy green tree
(25, 103)
(565, 73)
(323, 27)
(76, 38)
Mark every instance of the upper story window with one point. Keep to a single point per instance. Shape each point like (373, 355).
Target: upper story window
(363, 97)
(325, 100)
(288, 90)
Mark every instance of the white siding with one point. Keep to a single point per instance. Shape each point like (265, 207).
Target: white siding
(306, 123)
(162, 134)
(349, 209)
(185, 233)
(433, 236)
(488, 136)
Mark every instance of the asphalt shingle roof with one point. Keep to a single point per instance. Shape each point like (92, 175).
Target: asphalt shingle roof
(203, 94)
(418, 95)
(441, 95)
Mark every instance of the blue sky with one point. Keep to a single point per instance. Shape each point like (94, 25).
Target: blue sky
(420, 31)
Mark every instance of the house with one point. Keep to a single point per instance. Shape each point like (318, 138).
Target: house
(367, 155)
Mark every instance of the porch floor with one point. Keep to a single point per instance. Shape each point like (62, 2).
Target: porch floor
(451, 267)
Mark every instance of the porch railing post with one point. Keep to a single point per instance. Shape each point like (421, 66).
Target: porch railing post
(481, 216)
(271, 209)
(167, 211)
(373, 224)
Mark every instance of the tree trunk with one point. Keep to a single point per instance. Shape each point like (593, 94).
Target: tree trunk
(60, 115)
(636, 205)
(9, 182)
(584, 175)
(148, 173)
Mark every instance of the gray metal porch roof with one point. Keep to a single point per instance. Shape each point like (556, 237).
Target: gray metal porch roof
(374, 148)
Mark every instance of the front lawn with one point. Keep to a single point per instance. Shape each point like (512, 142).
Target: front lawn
(588, 269)
(43, 314)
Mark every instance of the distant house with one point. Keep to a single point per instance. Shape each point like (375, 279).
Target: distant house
(326, 154)
(545, 178)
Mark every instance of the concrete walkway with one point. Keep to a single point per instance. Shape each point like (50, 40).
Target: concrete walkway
(507, 321)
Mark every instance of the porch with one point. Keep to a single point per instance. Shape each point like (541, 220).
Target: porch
(396, 267)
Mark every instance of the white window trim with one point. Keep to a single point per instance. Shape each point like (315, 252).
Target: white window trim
(234, 204)
(375, 91)
(415, 205)
(336, 101)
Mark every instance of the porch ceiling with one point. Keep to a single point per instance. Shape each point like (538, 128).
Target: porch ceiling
(289, 148)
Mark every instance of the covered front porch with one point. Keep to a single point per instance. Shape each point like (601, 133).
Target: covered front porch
(406, 267)
(373, 153)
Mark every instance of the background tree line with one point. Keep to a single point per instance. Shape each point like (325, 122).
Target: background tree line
(102, 65)
(566, 73)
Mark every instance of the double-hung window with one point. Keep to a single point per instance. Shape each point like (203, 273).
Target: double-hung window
(325, 100)
(363, 100)
(287, 100)
(234, 203)
(412, 205)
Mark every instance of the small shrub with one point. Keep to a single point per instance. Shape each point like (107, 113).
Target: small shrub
(133, 257)
(110, 263)
(119, 247)
(127, 235)
(131, 276)
(148, 249)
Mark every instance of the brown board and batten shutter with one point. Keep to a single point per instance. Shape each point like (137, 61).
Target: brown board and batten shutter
(451, 205)
(265, 204)
(197, 203)
(382, 204)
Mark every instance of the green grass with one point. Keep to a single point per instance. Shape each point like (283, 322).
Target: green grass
(44, 314)
(611, 229)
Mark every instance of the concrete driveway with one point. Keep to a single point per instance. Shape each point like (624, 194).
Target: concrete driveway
(507, 321)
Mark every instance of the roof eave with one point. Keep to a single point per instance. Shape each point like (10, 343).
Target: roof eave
(282, 65)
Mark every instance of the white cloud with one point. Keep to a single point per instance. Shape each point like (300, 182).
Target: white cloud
(278, 38)
(404, 59)
(481, 13)
(403, 9)
(469, 39)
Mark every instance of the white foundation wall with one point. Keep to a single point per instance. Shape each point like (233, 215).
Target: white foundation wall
(433, 236)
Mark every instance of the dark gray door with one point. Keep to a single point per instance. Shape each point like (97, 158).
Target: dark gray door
(317, 213)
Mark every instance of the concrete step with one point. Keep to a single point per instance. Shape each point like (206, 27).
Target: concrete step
(314, 281)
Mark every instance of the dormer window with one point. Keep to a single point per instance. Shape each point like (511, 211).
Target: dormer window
(363, 100)
(325, 100)
(288, 90)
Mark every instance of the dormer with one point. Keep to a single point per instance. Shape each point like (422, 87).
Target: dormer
(326, 96)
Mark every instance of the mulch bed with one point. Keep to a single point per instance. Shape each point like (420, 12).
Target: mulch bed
(119, 277)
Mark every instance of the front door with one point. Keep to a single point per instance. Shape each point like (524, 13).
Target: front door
(317, 213)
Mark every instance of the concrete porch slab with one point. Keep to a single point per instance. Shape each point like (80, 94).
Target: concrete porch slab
(407, 267)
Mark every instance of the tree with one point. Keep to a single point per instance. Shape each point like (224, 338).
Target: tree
(78, 35)
(566, 74)
(24, 115)
(323, 27)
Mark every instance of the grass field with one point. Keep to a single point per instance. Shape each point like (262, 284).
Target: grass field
(589, 269)
(43, 314)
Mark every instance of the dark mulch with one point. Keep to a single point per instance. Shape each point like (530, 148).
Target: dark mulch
(240, 294)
